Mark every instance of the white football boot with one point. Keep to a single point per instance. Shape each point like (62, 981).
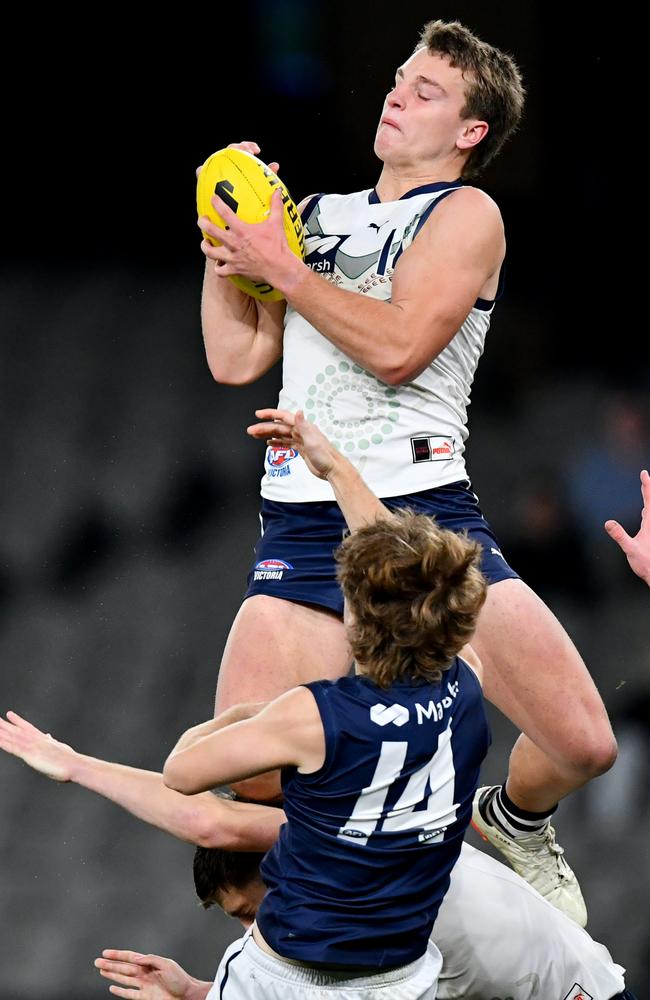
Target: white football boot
(537, 858)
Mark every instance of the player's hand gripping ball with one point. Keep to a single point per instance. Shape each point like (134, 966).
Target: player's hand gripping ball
(246, 184)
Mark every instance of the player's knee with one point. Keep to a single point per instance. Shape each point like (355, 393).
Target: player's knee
(596, 756)
(607, 754)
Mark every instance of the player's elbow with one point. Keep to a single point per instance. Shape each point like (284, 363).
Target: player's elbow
(175, 776)
(409, 359)
(404, 369)
(226, 374)
(241, 372)
(402, 375)
(207, 830)
(395, 370)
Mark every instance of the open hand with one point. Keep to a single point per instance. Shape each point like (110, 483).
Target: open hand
(282, 429)
(636, 549)
(144, 977)
(40, 750)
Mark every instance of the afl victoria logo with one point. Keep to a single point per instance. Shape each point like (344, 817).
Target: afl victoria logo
(271, 569)
(278, 456)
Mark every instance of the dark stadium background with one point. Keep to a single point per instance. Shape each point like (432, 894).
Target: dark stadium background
(130, 489)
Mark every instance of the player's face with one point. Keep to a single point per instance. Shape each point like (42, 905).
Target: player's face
(420, 121)
(242, 904)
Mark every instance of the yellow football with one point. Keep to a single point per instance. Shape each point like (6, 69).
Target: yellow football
(246, 184)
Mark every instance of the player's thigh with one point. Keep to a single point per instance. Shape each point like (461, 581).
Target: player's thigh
(275, 644)
(534, 674)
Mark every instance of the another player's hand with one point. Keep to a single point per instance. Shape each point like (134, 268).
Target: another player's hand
(40, 750)
(636, 549)
(145, 977)
(282, 429)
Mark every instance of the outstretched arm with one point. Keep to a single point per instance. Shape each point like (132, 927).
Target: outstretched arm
(148, 977)
(206, 819)
(636, 549)
(358, 503)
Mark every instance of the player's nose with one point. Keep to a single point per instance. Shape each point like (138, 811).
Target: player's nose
(396, 97)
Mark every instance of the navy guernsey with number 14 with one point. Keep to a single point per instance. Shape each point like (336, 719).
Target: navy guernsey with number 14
(363, 862)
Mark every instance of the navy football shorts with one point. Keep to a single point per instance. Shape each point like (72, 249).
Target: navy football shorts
(294, 557)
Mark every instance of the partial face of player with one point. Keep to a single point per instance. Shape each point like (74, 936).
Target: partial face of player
(242, 904)
(420, 125)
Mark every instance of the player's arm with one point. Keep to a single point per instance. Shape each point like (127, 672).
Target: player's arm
(207, 820)
(636, 549)
(242, 336)
(358, 503)
(236, 713)
(288, 732)
(435, 284)
(149, 977)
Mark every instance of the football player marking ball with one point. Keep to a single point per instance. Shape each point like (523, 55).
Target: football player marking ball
(246, 185)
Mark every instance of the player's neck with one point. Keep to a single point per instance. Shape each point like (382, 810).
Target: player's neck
(394, 183)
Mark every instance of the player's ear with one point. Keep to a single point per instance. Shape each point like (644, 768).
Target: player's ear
(471, 134)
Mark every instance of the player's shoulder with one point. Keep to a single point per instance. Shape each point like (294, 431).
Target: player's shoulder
(468, 200)
(467, 216)
(296, 704)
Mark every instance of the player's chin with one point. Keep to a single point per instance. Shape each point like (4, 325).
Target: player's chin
(379, 150)
(384, 141)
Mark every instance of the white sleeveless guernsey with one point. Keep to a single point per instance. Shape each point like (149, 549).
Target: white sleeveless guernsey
(402, 439)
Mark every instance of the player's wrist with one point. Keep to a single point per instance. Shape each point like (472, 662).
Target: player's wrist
(341, 472)
(290, 274)
(196, 989)
(80, 767)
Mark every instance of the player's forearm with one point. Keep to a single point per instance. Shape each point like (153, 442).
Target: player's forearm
(236, 713)
(237, 351)
(372, 332)
(144, 795)
(358, 503)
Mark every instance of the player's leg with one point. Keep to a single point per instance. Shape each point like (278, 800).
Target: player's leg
(276, 644)
(535, 675)
(289, 630)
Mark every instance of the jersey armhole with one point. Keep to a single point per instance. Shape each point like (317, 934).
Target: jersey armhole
(316, 688)
(308, 205)
(473, 671)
